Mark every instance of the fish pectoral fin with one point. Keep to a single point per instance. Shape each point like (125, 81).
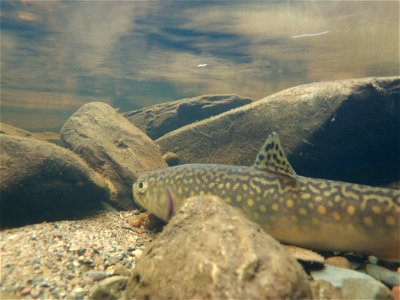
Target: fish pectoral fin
(272, 158)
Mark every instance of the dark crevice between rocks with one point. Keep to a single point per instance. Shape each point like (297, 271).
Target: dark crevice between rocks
(360, 123)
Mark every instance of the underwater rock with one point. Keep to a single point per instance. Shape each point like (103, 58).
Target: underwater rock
(345, 130)
(324, 290)
(113, 147)
(11, 130)
(210, 250)
(109, 288)
(41, 181)
(359, 288)
(396, 292)
(159, 119)
(338, 261)
(353, 284)
(382, 274)
(48, 136)
(305, 255)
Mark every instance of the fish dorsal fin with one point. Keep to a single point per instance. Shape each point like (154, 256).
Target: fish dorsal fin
(272, 158)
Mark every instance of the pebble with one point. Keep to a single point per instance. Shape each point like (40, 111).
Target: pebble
(120, 269)
(109, 288)
(336, 275)
(305, 255)
(81, 251)
(324, 290)
(138, 253)
(353, 284)
(361, 288)
(26, 290)
(396, 292)
(75, 281)
(87, 262)
(36, 292)
(338, 261)
(98, 275)
(69, 276)
(77, 293)
(384, 275)
(99, 292)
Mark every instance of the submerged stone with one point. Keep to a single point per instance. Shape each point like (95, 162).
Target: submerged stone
(113, 147)
(48, 136)
(384, 275)
(210, 250)
(328, 129)
(159, 119)
(324, 290)
(353, 284)
(41, 181)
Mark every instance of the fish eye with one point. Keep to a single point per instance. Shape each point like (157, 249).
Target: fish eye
(141, 186)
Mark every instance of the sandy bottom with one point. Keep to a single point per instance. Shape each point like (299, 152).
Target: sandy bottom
(64, 259)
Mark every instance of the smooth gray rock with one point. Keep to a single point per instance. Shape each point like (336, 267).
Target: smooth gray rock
(384, 275)
(346, 130)
(41, 181)
(210, 250)
(159, 119)
(353, 284)
(113, 147)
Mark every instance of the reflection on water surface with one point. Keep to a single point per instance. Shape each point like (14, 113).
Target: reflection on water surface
(57, 55)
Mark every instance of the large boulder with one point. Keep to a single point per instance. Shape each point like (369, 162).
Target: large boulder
(210, 250)
(113, 147)
(41, 181)
(346, 130)
(159, 119)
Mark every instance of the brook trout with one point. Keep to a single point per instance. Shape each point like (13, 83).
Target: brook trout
(312, 213)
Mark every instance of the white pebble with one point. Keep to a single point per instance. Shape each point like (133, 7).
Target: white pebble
(138, 253)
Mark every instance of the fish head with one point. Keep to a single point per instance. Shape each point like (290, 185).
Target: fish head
(152, 193)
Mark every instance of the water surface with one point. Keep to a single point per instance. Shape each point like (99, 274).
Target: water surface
(57, 55)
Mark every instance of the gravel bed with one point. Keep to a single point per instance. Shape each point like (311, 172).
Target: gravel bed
(63, 259)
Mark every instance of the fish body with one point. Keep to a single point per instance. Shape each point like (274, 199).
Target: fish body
(312, 213)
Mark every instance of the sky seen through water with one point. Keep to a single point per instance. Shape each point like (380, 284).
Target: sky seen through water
(58, 55)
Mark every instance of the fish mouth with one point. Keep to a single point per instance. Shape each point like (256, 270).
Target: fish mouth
(171, 205)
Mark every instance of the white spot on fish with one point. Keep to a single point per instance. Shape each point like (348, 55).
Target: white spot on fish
(202, 65)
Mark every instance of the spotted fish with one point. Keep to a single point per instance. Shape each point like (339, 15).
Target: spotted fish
(312, 213)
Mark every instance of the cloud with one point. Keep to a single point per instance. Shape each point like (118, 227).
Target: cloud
(57, 54)
(94, 28)
(76, 37)
(40, 110)
(219, 76)
(259, 20)
(48, 46)
(352, 48)
(44, 101)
